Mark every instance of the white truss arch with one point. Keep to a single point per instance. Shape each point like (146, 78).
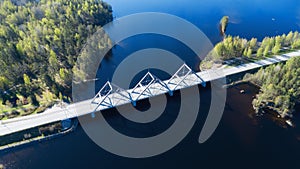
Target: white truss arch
(183, 78)
(110, 95)
(147, 87)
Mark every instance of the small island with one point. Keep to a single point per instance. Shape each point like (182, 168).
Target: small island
(223, 25)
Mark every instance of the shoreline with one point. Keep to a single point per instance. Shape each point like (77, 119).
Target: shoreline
(267, 110)
(39, 139)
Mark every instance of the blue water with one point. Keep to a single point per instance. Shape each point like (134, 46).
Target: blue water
(239, 141)
(247, 19)
(255, 18)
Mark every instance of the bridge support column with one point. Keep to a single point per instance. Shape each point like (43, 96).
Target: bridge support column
(66, 124)
(134, 103)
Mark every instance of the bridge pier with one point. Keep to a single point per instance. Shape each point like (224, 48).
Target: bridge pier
(133, 103)
(66, 124)
(203, 84)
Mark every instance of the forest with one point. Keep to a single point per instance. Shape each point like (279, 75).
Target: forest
(40, 42)
(279, 87)
(236, 47)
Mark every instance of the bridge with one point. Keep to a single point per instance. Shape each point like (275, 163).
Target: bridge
(110, 95)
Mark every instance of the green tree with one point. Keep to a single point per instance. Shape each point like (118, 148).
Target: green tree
(26, 79)
(278, 40)
(249, 53)
(253, 43)
(224, 24)
(60, 96)
(260, 52)
(289, 38)
(276, 49)
(296, 44)
(266, 50)
(53, 60)
(3, 82)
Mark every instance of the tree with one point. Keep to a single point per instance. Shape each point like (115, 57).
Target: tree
(296, 36)
(224, 24)
(296, 44)
(60, 96)
(278, 40)
(276, 49)
(53, 60)
(3, 83)
(245, 52)
(249, 52)
(260, 52)
(266, 51)
(265, 42)
(26, 79)
(289, 38)
(253, 43)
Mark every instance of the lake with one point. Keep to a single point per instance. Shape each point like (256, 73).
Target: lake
(241, 140)
(247, 18)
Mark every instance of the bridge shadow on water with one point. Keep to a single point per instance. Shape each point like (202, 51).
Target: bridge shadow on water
(142, 130)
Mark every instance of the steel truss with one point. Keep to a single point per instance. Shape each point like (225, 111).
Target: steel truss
(110, 95)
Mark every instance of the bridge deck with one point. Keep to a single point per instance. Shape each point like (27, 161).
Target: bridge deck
(175, 83)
